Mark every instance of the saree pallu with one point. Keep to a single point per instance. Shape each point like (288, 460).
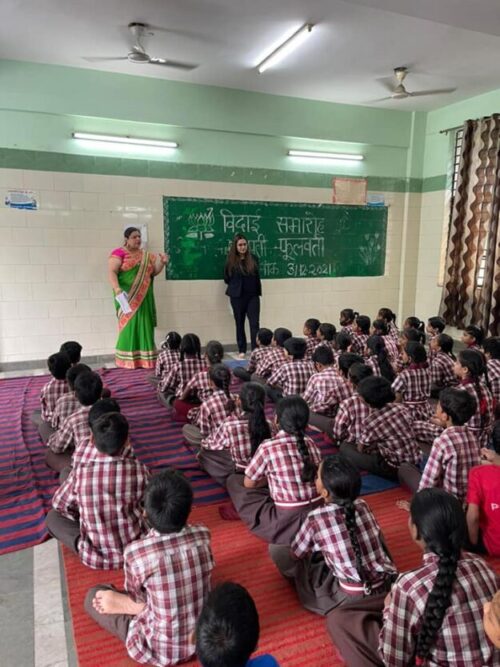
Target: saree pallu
(135, 347)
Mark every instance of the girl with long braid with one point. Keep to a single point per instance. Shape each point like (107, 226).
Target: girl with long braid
(377, 357)
(278, 491)
(338, 554)
(433, 615)
(470, 368)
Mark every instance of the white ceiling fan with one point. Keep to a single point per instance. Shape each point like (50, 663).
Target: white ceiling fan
(399, 91)
(138, 55)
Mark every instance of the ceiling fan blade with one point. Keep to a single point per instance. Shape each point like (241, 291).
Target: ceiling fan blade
(172, 63)
(98, 59)
(441, 91)
(387, 82)
(380, 99)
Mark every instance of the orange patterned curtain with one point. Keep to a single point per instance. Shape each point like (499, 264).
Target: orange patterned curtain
(473, 243)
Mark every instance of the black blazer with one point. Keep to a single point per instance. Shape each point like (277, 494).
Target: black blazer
(234, 281)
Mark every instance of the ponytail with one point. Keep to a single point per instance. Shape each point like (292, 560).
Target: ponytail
(293, 417)
(474, 362)
(172, 341)
(376, 345)
(445, 342)
(214, 352)
(221, 377)
(253, 397)
(350, 523)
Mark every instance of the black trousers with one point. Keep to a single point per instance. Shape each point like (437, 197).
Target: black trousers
(243, 307)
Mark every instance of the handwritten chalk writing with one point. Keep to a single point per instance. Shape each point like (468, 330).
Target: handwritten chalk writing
(297, 270)
(259, 245)
(239, 224)
(311, 226)
(201, 225)
(269, 269)
(291, 248)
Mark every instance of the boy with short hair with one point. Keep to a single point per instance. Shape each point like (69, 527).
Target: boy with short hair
(167, 579)
(73, 349)
(348, 423)
(58, 365)
(264, 338)
(68, 402)
(326, 335)
(310, 331)
(105, 513)
(291, 377)
(275, 358)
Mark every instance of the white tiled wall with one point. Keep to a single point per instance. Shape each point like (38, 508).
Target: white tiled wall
(53, 284)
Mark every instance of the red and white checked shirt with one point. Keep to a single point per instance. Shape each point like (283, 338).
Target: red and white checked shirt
(453, 454)
(233, 434)
(108, 493)
(49, 396)
(358, 344)
(391, 346)
(346, 328)
(292, 377)
(65, 406)
(441, 368)
(414, 384)
(324, 530)
(275, 358)
(256, 356)
(494, 378)
(73, 432)
(393, 331)
(461, 640)
(349, 420)
(200, 385)
(390, 432)
(180, 374)
(212, 412)
(426, 431)
(372, 362)
(324, 392)
(279, 460)
(171, 573)
(312, 343)
(165, 361)
(327, 343)
(481, 425)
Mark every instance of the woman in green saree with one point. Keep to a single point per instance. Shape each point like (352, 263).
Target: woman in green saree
(131, 273)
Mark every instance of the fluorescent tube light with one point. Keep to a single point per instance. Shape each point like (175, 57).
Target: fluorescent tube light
(114, 139)
(285, 48)
(319, 155)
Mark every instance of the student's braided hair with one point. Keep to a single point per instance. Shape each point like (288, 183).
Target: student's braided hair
(253, 398)
(376, 346)
(221, 377)
(293, 417)
(414, 335)
(475, 363)
(190, 346)
(364, 323)
(172, 341)
(445, 342)
(214, 352)
(414, 323)
(380, 327)
(440, 522)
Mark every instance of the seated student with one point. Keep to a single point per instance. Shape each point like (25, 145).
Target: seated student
(473, 337)
(413, 385)
(406, 336)
(389, 318)
(291, 377)
(435, 327)
(491, 619)
(413, 322)
(491, 347)
(68, 403)
(433, 615)
(326, 335)
(173, 383)
(341, 345)
(263, 340)
(277, 490)
(310, 331)
(347, 319)
(168, 356)
(441, 363)
(325, 390)
(352, 412)
(360, 334)
(274, 358)
(73, 349)
(470, 369)
(345, 361)
(58, 365)
(213, 410)
(227, 630)
(378, 359)
(167, 579)
(379, 328)
(75, 429)
(387, 438)
(483, 500)
(339, 553)
(454, 452)
(236, 439)
(105, 513)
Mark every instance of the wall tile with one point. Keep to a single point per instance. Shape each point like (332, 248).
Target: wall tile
(16, 292)
(84, 201)
(54, 200)
(38, 180)
(43, 255)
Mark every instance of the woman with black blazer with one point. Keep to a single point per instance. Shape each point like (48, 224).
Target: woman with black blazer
(241, 275)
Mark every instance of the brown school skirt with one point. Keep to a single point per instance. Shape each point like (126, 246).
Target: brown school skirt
(216, 463)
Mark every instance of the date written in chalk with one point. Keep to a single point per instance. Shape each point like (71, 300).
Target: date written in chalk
(308, 270)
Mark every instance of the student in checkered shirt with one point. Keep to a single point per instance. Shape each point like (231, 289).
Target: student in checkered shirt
(58, 365)
(413, 385)
(310, 331)
(292, 377)
(274, 358)
(435, 327)
(407, 336)
(263, 339)
(104, 513)
(326, 335)
(360, 334)
(441, 363)
(433, 614)
(379, 328)
(68, 403)
(173, 383)
(167, 579)
(491, 347)
(378, 359)
(342, 345)
(470, 368)
(352, 412)
(346, 320)
(389, 318)
(472, 337)
(277, 491)
(168, 356)
(339, 553)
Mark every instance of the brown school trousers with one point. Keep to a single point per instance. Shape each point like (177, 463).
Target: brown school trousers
(58, 461)
(322, 422)
(45, 430)
(216, 463)
(116, 624)
(65, 530)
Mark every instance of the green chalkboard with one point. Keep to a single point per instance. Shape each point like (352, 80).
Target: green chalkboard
(291, 240)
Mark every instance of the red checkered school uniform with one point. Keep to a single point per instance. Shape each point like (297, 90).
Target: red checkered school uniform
(108, 492)
(494, 378)
(349, 420)
(49, 396)
(233, 435)
(74, 431)
(275, 358)
(358, 344)
(454, 452)
(65, 406)
(327, 343)
(166, 360)
(212, 413)
(200, 385)
(393, 331)
(171, 574)
(346, 328)
(279, 460)
(324, 530)
(292, 377)
(311, 344)
(414, 384)
(461, 640)
(256, 356)
(480, 423)
(179, 375)
(441, 370)
(389, 431)
(324, 391)
(391, 346)
(372, 362)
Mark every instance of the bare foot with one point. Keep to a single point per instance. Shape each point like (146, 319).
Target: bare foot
(112, 602)
(403, 505)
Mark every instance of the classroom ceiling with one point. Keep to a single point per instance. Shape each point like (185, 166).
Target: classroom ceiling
(354, 48)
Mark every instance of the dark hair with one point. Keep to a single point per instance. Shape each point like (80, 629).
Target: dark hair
(110, 433)
(437, 323)
(58, 365)
(364, 323)
(440, 523)
(74, 371)
(73, 349)
(414, 335)
(495, 437)
(376, 391)
(346, 360)
(343, 483)
(445, 342)
(227, 630)
(296, 347)
(416, 352)
(476, 332)
(253, 400)
(342, 341)
(172, 341)
(312, 324)
(247, 265)
(492, 347)
(376, 346)
(293, 417)
(280, 335)
(475, 363)
(130, 230)
(459, 405)
(221, 377)
(381, 327)
(387, 314)
(349, 314)
(167, 501)
(323, 354)
(88, 388)
(327, 330)
(415, 323)
(190, 346)
(265, 336)
(214, 352)
(359, 371)
(102, 407)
